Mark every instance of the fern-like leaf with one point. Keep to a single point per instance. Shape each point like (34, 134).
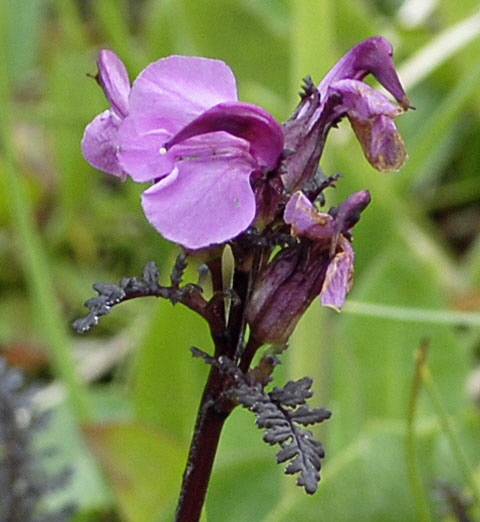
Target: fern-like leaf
(282, 413)
(128, 288)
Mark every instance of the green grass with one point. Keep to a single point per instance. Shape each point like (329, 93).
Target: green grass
(64, 226)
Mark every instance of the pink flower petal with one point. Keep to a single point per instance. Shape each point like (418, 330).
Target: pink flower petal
(142, 153)
(181, 87)
(113, 77)
(208, 201)
(100, 143)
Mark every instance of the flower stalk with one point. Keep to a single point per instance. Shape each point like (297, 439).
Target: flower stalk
(211, 418)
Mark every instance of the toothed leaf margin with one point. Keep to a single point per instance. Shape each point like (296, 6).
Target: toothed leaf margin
(128, 288)
(283, 413)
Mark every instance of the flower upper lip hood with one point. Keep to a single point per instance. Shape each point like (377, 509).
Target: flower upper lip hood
(182, 127)
(370, 113)
(372, 56)
(243, 120)
(343, 93)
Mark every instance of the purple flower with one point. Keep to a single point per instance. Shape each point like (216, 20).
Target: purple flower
(320, 264)
(332, 231)
(332, 228)
(343, 93)
(182, 128)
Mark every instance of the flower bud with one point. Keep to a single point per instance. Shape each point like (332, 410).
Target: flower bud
(285, 290)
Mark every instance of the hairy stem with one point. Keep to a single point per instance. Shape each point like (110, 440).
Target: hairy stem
(215, 406)
(212, 415)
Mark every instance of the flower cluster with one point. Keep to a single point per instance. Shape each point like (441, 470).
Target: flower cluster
(219, 168)
(224, 172)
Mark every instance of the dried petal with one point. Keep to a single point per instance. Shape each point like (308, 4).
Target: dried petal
(381, 142)
(343, 93)
(306, 220)
(371, 115)
(339, 276)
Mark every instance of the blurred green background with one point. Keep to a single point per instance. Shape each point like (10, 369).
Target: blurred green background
(125, 395)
